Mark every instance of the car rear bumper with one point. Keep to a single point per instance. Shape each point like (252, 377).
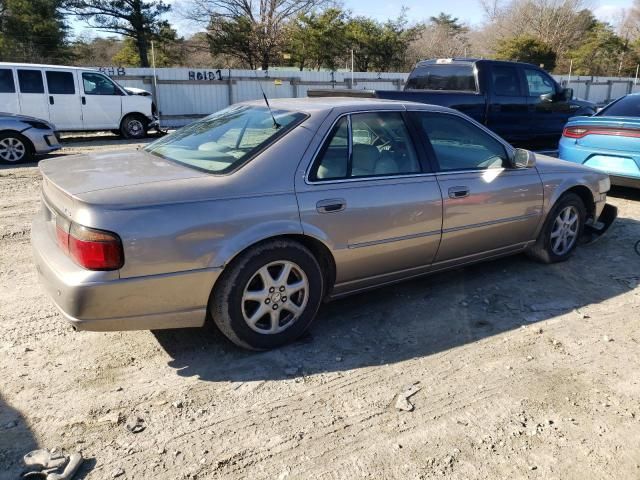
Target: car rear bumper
(100, 301)
(618, 163)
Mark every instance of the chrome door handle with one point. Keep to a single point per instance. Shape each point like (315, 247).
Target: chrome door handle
(331, 205)
(458, 192)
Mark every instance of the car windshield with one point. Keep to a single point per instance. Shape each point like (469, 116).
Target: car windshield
(628, 106)
(442, 77)
(222, 142)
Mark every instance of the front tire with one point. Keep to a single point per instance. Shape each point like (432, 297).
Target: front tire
(133, 126)
(561, 231)
(268, 296)
(15, 148)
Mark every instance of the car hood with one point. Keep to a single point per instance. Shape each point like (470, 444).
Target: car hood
(19, 116)
(546, 164)
(81, 174)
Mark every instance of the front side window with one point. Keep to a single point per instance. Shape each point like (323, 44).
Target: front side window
(460, 145)
(6, 81)
(539, 83)
(30, 81)
(222, 142)
(379, 145)
(96, 84)
(60, 83)
(506, 81)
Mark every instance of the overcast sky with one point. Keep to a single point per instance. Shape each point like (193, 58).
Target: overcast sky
(468, 11)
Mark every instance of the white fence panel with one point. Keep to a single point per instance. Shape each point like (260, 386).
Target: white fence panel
(184, 94)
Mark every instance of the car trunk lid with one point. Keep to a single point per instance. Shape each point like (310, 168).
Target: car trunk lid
(78, 174)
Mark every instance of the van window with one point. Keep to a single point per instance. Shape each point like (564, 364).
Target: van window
(30, 81)
(96, 84)
(60, 83)
(6, 81)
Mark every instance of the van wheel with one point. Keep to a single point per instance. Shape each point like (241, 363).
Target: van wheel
(15, 148)
(268, 296)
(134, 126)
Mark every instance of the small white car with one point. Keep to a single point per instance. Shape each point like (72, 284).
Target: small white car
(74, 99)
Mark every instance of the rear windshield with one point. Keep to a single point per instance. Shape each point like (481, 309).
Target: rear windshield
(442, 77)
(628, 106)
(222, 142)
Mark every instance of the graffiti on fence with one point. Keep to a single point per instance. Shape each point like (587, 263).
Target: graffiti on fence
(206, 75)
(113, 71)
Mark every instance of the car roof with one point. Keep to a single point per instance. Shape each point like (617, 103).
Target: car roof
(469, 61)
(316, 105)
(41, 65)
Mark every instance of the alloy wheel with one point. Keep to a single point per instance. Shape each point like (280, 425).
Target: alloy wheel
(564, 233)
(12, 149)
(275, 297)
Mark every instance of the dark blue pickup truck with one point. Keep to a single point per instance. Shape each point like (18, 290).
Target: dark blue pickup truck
(520, 102)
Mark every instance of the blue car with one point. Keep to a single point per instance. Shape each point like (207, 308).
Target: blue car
(608, 141)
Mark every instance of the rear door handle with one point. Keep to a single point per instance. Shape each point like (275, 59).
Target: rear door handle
(84, 100)
(331, 205)
(458, 192)
(51, 102)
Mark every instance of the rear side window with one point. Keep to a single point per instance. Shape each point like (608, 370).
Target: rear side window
(30, 81)
(460, 145)
(506, 81)
(379, 145)
(60, 83)
(443, 77)
(6, 81)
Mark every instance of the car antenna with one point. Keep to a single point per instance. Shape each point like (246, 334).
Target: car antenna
(276, 125)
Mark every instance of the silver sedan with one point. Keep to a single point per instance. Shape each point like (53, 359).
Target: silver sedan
(253, 216)
(22, 137)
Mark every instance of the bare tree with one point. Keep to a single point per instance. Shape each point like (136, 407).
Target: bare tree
(560, 23)
(252, 30)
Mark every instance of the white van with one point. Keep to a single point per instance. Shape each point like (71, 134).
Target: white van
(74, 99)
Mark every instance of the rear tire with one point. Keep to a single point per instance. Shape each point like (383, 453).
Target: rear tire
(134, 126)
(15, 148)
(268, 296)
(561, 231)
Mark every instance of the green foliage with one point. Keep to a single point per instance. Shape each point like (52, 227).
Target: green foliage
(527, 49)
(33, 31)
(137, 19)
(318, 40)
(601, 53)
(448, 22)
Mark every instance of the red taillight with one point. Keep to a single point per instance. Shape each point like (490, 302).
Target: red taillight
(583, 131)
(90, 248)
(575, 132)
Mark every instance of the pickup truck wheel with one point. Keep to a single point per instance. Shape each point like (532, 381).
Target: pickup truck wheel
(268, 296)
(561, 231)
(134, 126)
(15, 148)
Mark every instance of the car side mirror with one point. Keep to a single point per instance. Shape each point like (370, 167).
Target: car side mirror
(524, 158)
(567, 94)
(547, 97)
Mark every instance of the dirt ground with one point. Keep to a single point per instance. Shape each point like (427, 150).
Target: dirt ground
(520, 370)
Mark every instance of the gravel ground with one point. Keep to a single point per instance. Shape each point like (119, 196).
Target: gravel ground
(515, 370)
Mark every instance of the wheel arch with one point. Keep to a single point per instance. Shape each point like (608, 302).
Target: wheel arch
(319, 249)
(585, 194)
(134, 113)
(19, 134)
